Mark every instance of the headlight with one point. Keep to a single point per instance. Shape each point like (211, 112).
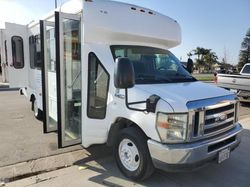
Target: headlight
(172, 128)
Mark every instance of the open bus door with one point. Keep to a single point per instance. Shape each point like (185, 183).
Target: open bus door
(68, 73)
(17, 54)
(47, 30)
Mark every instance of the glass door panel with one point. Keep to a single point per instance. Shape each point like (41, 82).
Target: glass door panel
(49, 73)
(69, 55)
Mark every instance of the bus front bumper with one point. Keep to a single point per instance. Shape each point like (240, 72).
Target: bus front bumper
(192, 155)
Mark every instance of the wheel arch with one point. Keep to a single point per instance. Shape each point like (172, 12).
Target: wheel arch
(119, 124)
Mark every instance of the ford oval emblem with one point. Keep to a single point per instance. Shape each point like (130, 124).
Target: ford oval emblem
(221, 117)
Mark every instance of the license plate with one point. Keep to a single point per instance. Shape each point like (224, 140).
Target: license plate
(223, 155)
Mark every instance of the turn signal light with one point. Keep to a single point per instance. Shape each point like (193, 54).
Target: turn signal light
(164, 125)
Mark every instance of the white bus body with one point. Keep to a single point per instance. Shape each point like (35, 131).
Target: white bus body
(166, 118)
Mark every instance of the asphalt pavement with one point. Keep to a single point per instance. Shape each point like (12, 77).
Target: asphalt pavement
(104, 172)
(22, 137)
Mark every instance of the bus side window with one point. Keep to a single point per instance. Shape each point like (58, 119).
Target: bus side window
(17, 52)
(35, 52)
(98, 85)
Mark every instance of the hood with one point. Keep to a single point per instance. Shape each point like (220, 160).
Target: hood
(179, 94)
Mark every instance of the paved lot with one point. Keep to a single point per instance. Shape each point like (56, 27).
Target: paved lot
(21, 135)
(26, 141)
(244, 110)
(103, 172)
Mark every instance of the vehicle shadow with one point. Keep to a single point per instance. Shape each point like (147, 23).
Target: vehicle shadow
(233, 172)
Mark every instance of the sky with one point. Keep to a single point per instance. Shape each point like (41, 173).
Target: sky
(219, 25)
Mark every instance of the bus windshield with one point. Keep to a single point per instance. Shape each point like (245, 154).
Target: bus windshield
(153, 65)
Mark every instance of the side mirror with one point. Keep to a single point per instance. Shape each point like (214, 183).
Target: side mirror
(124, 75)
(190, 65)
(124, 78)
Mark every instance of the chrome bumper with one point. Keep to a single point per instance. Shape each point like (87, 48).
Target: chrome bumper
(193, 153)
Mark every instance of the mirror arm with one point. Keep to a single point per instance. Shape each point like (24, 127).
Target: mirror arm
(133, 103)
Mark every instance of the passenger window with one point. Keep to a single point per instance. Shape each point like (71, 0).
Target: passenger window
(98, 85)
(17, 52)
(35, 51)
(246, 69)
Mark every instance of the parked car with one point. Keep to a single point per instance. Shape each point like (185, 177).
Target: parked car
(239, 83)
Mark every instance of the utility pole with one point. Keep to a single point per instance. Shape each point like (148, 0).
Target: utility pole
(55, 3)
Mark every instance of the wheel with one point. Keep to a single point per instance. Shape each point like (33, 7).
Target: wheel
(132, 154)
(37, 111)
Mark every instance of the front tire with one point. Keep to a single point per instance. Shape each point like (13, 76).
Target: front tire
(132, 154)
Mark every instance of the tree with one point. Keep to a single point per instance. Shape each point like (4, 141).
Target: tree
(210, 58)
(205, 57)
(244, 56)
(199, 51)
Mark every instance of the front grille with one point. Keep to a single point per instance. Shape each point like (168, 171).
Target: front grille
(217, 128)
(220, 109)
(219, 119)
(213, 120)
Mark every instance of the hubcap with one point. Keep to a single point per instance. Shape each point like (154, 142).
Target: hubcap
(129, 155)
(35, 108)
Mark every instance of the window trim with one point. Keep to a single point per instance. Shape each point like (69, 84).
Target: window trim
(14, 63)
(88, 92)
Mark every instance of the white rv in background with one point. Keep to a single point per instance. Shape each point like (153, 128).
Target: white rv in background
(24, 62)
(100, 72)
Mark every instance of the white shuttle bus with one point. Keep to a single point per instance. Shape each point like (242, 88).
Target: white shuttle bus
(98, 72)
